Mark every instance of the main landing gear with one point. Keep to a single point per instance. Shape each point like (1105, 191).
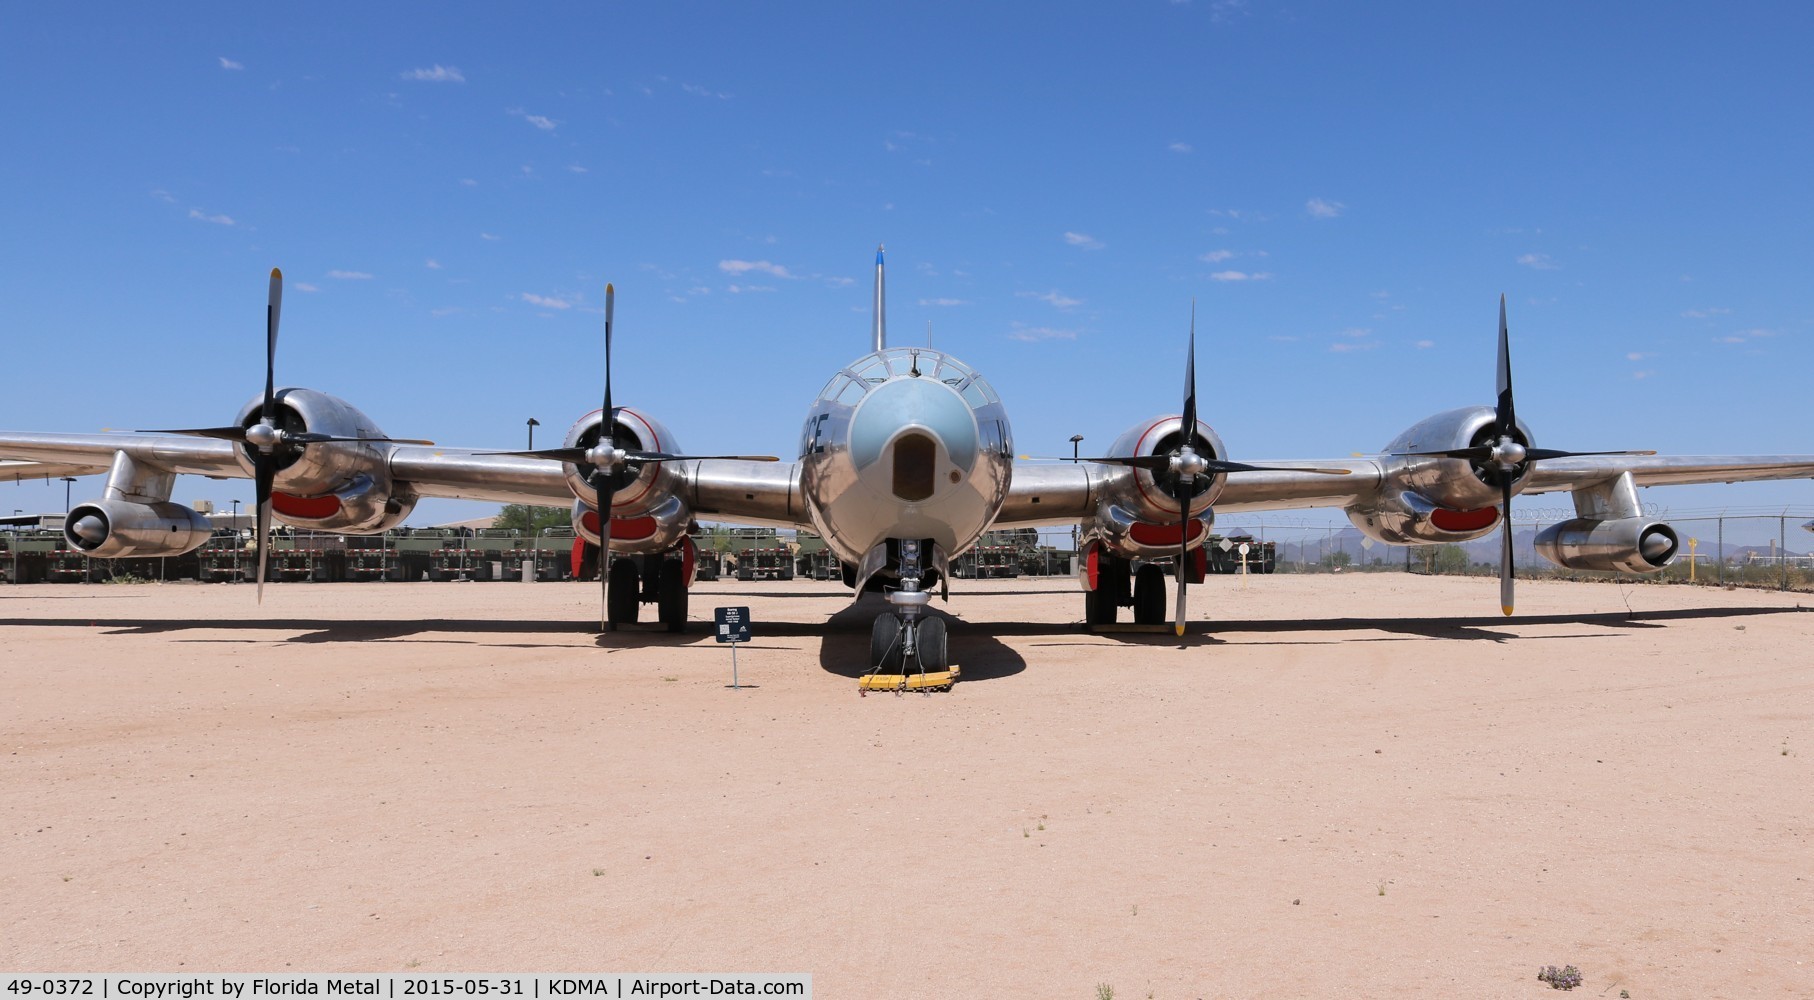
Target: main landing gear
(659, 580)
(907, 648)
(1118, 585)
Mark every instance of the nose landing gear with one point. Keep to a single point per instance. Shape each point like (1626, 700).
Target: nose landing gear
(907, 648)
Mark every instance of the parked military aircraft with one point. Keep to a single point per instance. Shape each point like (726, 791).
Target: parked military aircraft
(905, 459)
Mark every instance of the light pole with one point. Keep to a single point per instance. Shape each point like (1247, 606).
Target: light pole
(68, 481)
(236, 541)
(533, 424)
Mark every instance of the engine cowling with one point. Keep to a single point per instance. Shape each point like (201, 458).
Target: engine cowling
(1409, 518)
(659, 530)
(1625, 545)
(1454, 484)
(654, 483)
(329, 486)
(115, 529)
(1139, 516)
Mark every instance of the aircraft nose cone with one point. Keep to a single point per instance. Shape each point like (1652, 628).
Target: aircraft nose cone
(90, 529)
(921, 403)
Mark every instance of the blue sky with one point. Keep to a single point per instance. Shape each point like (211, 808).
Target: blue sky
(1344, 189)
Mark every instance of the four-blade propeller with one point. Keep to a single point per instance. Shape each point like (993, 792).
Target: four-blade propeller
(611, 468)
(1506, 457)
(269, 442)
(1186, 464)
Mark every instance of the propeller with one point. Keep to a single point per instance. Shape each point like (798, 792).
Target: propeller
(611, 467)
(265, 437)
(1186, 465)
(1504, 455)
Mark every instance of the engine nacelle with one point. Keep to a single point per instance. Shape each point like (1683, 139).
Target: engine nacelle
(318, 469)
(1409, 518)
(363, 506)
(659, 530)
(1139, 516)
(1453, 483)
(654, 483)
(1626, 545)
(115, 529)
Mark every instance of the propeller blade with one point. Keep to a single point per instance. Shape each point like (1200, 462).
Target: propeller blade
(264, 472)
(1505, 549)
(221, 433)
(1185, 485)
(309, 437)
(1190, 380)
(607, 492)
(647, 457)
(1536, 454)
(273, 311)
(1508, 417)
(1216, 465)
(607, 412)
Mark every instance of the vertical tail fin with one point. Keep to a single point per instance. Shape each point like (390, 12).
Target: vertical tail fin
(880, 329)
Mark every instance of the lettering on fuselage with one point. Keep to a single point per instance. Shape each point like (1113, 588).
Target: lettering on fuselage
(811, 438)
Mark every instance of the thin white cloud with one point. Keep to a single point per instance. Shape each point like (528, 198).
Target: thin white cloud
(545, 301)
(542, 122)
(697, 91)
(1350, 346)
(434, 74)
(1180, 147)
(1035, 334)
(944, 302)
(1322, 209)
(1424, 345)
(1357, 331)
(164, 196)
(432, 264)
(740, 289)
(226, 63)
(468, 182)
(1538, 261)
(1638, 355)
(350, 275)
(1730, 339)
(577, 169)
(445, 311)
(1217, 256)
(1240, 276)
(219, 220)
(1054, 297)
(1643, 374)
(303, 286)
(488, 236)
(1704, 313)
(1083, 240)
(758, 266)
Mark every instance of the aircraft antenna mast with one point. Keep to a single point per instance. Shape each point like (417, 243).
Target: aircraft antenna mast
(881, 315)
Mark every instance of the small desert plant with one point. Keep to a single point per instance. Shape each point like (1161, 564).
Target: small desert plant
(1105, 992)
(1566, 978)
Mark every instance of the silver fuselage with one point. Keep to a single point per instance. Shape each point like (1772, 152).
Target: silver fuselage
(905, 443)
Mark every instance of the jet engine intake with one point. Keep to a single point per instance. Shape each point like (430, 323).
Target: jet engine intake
(114, 529)
(1625, 545)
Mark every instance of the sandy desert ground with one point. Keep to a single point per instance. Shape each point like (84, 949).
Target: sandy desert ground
(1347, 787)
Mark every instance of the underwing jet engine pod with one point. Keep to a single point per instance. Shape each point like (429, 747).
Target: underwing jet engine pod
(1627, 545)
(114, 529)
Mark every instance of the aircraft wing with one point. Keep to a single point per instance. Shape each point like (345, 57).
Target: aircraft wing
(17, 472)
(1056, 494)
(1665, 470)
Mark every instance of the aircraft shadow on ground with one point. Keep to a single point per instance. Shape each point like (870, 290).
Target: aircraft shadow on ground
(975, 646)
